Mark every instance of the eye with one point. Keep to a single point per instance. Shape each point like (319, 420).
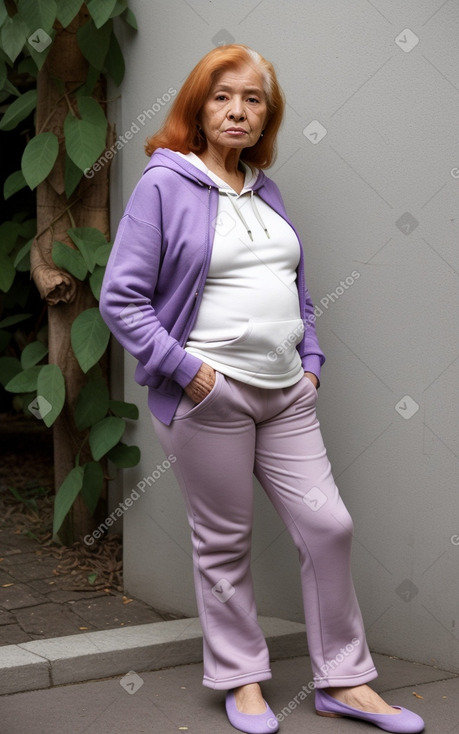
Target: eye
(220, 97)
(253, 99)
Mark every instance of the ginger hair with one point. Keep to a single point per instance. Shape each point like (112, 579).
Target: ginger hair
(180, 131)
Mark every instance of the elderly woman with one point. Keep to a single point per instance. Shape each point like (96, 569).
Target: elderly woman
(205, 287)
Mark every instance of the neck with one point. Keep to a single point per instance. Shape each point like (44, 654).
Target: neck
(222, 159)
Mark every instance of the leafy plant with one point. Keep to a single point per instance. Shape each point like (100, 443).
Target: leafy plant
(27, 32)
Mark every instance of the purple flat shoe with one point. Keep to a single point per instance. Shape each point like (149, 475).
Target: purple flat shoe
(250, 723)
(406, 722)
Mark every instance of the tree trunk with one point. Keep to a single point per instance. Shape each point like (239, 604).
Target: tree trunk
(87, 207)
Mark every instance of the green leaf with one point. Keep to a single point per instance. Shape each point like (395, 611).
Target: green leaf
(27, 228)
(129, 18)
(9, 232)
(39, 157)
(9, 368)
(66, 11)
(87, 89)
(102, 254)
(38, 14)
(5, 338)
(85, 138)
(28, 66)
(94, 42)
(93, 484)
(25, 381)
(3, 13)
(13, 36)
(92, 404)
(39, 45)
(12, 320)
(123, 456)
(89, 241)
(32, 354)
(95, 281)
(73, 176)
(19, 110)
(22, 259)
(8, 89)
(7, 273)
(3, 71)
(15, 182)
(66, 496)
(51, 388)
(92, 577)
(69, 259)
(100, 11)
(120, 7)
(89, 336)
(114, 61)
(104, 435)
(124, 410)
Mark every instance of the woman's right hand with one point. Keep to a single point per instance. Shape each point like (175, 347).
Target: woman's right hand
(201, 384)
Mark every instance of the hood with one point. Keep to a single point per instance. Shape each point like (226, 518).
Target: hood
(164, 158)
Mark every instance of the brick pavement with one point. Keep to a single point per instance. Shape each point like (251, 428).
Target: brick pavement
(34, 604)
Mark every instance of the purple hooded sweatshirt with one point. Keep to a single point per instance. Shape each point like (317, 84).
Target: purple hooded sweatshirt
(157, 269)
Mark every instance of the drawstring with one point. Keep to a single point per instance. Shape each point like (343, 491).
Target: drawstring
(257, 214)
(241, 217)
(239, 213)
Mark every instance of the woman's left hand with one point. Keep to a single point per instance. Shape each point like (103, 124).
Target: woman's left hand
(311, 376)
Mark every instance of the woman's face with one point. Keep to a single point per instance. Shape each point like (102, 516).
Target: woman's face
(236, 110)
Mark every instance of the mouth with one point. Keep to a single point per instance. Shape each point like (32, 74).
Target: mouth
(236, 131)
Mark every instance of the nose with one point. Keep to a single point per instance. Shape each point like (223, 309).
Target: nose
(236, 111)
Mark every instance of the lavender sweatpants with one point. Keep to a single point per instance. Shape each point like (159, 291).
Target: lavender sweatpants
(239, 430)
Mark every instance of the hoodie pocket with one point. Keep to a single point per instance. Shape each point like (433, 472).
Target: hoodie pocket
(265, 347)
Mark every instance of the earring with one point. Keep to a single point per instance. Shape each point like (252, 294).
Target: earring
(262, 134)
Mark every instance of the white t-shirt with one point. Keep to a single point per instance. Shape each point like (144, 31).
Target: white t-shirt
(249, 319)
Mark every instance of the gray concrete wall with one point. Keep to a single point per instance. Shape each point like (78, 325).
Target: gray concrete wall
(369, 170)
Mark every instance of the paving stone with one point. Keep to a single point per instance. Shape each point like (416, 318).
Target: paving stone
(55, 591)
(13, 634)
(36, 606)
(17, 559)
(18, 596)
(62, 595)
(6, 617)
(10, 539)
(54, 588)
(5, 576)
(50, 620)
(37, 568)
(7, 551)
(111, 612)
(46, 585)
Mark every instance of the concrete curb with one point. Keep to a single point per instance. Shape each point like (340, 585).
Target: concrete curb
(102, 654)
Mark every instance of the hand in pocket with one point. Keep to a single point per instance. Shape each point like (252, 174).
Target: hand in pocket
(201, 384)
